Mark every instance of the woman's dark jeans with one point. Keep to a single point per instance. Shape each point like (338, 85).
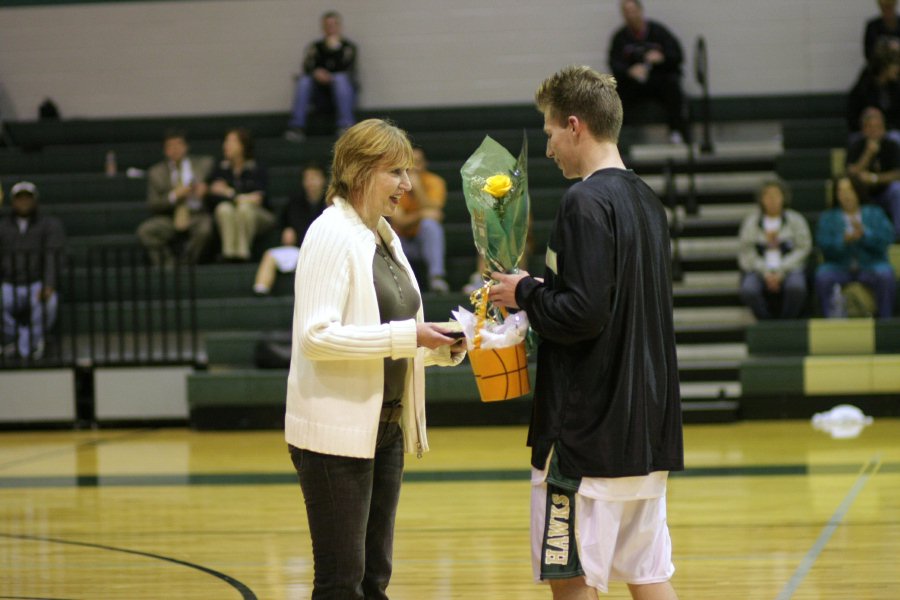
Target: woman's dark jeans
(351, 504)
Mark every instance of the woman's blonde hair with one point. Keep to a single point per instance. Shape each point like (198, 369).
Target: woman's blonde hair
(360, 151)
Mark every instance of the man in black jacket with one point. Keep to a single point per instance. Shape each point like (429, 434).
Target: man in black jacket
(329, 66)
(30, 251)
(884, 28)
(606, 420)
(646, 59)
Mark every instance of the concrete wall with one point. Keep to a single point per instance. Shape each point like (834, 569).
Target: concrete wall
(37, 396)
(233, 56)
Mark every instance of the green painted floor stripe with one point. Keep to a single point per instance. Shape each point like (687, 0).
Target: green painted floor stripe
(287, 478)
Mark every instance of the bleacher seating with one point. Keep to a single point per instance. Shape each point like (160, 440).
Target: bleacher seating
(66, 161)
(798, 367)
(802, 365)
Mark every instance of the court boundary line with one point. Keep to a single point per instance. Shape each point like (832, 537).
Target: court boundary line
(866, 472)
(246, 592)
(30, 598)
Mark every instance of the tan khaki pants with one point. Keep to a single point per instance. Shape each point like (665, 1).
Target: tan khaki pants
(238, 225)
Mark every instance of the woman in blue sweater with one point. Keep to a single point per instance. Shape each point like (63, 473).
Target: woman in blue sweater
(854, 241)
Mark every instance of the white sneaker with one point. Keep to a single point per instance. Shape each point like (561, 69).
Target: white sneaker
(296, 136)
(438, 285)
(475, 282)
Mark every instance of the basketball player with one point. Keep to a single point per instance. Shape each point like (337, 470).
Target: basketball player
(606, 421)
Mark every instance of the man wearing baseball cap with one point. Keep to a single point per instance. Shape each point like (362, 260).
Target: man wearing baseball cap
(31, 247)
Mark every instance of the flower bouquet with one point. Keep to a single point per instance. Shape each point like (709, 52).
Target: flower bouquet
(495, 185)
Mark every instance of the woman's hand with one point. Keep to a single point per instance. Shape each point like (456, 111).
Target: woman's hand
(459, 347)
(254, 198)
(220, 188)
(432, 336)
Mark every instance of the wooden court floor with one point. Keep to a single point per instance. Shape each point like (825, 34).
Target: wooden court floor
(766, 510)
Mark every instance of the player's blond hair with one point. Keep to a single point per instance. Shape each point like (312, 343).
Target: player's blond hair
(585, 93)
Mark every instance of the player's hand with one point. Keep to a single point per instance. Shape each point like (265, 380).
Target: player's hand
(503, 292)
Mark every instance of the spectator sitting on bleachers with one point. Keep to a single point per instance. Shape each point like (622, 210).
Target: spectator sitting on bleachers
(176, 187)
(31, 245)
(301, 210)
(329, 67)
(774, 245)
(237, 194)
(883, 29)
(853, 239)
(874, 160)
(418, 220)
(646, 60)
(877, 86)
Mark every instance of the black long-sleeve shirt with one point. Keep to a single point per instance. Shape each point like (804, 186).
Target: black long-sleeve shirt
(876, 30)
(866, 92)
(31, 255)
(320, 56)
(626, 49)
(252, 178)
(607, 392)
(299, 214)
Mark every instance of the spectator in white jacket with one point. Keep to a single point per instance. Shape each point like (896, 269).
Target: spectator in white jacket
(775, 242)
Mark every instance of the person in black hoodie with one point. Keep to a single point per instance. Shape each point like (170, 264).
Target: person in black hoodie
(878, 86)
(646, 58)
(329, 66)
(606, 420)
(301, 210)
(883, 28)
(30, 253)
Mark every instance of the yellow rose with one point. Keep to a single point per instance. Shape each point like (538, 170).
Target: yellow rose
(497, 185)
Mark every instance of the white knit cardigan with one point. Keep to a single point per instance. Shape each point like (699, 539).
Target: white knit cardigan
(336, 380)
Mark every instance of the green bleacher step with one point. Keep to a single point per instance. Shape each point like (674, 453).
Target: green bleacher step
(814, 133)
(802, 337)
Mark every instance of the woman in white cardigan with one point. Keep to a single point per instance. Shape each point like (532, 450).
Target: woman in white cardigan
(355, 394)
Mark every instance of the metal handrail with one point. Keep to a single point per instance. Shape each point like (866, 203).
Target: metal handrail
(95, 293)
(701, 72)
(675, 226)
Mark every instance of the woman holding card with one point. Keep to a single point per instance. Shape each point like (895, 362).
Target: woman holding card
(355, 397)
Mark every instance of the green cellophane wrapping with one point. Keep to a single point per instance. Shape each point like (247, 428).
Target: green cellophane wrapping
(499, 226)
